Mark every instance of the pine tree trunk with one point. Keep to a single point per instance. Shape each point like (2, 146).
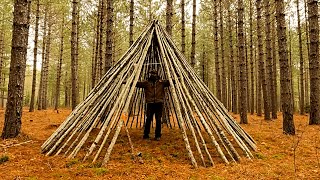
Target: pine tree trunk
(44, 41)
(131, 21)
(35, 54)
(291, 66)
(74, 58)
(102, 32)
(21, 19)
(216, 51)
(109, 37)
(269, 62)
(223, 68)
(285, 78)
(2, 37)
(232, 66)
(169, 14)
(251, 59)
(66, 90)
(95, 70)
(203, 64)
(274, 71)
(307, 98)
(193, 41)
(183, 28)
(262, 75)
(59, 65)
(314, 63)
(242, 65)
(247, 68)
(301, 100)
(46, 66)
(259, 89)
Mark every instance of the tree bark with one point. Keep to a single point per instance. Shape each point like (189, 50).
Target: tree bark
(307, 98)
(35, 54)
(169, 14)
(242, 65)
(21, 19)
(95, 69)
(251, 59)
(223, 63)
(183, 28)
(301, 100)
(44, 41)
(216, 51)
(285, 78)
(193, 41)
(291, 65)
(109, 36)
(274, 58)
(262, 74)
(269, 77)
(131, 22)
(46, 64)
(74, 58)
(2, 82)
(232, 66)
(59, 65)
(314, 63)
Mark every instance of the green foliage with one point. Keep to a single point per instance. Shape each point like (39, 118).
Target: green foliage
(71, 162)
(4, 158)
(259, 156)
(100, 171)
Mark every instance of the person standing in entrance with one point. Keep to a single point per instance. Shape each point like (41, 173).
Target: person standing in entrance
(154, 96)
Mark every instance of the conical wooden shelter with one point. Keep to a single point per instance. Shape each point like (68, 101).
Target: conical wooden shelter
(91, 130)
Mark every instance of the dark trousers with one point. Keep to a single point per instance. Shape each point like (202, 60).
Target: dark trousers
(153, 109)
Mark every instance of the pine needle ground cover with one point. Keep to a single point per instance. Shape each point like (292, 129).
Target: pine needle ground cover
(163, 159)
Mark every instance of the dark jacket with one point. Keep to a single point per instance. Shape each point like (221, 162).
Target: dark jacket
(154, 91)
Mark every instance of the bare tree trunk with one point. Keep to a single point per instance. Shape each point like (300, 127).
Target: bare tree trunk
(216, 51)
(301, 100)
(95, 70)
(183, 28)
(35, 54)
(269, 77)
(57, 95)
(131, 21)
(285, 78)
(307, 98)
(203, 64)
(44, 41)
(21, 19)
(193, 41)
(314, 62)
(259, 88)
(46, 66)
(261, 62)
(169, 14)
(223, 69)
(102, 32)
(232, 66)
(242, 64)
(74, 58)
(274, 71)
(251, 59)
(109, 37)
(66, 90)
(2, 38)
(291, 65)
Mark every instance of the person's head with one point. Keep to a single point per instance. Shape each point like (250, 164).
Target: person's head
(153, 75)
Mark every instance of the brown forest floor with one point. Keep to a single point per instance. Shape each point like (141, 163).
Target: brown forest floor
(165, 159)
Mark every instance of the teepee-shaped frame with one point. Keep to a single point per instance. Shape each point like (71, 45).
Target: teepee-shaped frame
(115, 100)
